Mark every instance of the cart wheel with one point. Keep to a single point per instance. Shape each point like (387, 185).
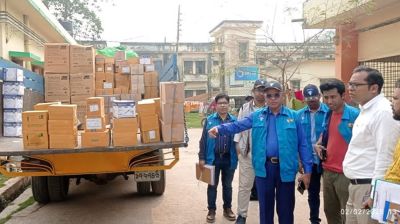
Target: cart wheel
(143, 187)
(40, 190)
(58, 187)
(158, 187)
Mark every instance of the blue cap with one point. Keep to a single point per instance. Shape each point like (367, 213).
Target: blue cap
(310, 90)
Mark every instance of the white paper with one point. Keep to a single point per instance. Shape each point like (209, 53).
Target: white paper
(152, 135)
(107, 85)
(125, 70)
(94, 123)
(384, 191)
(93, 108)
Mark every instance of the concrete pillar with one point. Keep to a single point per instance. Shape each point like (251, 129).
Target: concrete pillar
(346, 59)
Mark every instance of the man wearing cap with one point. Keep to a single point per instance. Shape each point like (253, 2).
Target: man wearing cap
(277, 141)
(312, 118)
(244, 146)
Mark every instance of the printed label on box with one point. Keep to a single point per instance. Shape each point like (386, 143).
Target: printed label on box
(94, 123)
(152, 135)
(108, 85)
(93, 108)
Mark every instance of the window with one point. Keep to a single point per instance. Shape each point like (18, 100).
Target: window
(243, 51)
(188, 93)
(295, 84)
(188, 67)
(200, 67)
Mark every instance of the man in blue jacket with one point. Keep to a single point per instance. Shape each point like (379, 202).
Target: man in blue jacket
(220, 152)
(312, 119)
(278, 140)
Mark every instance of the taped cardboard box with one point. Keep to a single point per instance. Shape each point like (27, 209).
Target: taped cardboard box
(101, 59)
(82, 59)
(102, 92)
(172, 92)
(99, 68)
(172, 132)
(95, 139)
(95, 124)
(146, 107)
(62, 112)
(130, 96)
(133, 61)
(63, 141)
(36, 140)
(151, 92)
(56, 57)
(35, 121)
(124, 138)
(82, 84)
(149, 122)
(172, 113)
(62, 127)
(151, 79)
(57, 87)
(109, 68)
(79, 100)
(149, 68)
(125, 125)
(137, 69)
(124, 108)
(95, 106)
(12, 115)
(151, 136)
(100, 76)
(158, 106)
(124, 90)
(137, 84)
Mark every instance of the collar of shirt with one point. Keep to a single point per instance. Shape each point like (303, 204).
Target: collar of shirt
(255, 106)
(228, 118)
(373, 101)
(281, 111)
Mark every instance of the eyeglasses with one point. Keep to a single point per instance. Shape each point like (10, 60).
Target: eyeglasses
(352, 85)
(276, 95)
(311, 98)
(223, 103)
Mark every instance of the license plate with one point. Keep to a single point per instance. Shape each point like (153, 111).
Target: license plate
(141, 176)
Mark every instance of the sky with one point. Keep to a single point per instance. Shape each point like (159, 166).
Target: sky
(156, 20)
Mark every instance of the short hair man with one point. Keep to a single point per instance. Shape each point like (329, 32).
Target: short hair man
(312, 118)
(374, 137)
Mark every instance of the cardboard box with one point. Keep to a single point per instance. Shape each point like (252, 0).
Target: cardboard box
(82, 84)
(56, 57)
(146, 107)
(81, 59)
(158, 106)
(57, 87)
(120, 56)
(79, 99)
(63, 141)
(145, 60)
(137, 69)
(81, 114)
(151, 79)
(62, 112)
(149, 68)
(124, 108)
(35, 121)
(172, 132)
(62, 127)
(100, 76)
(109, 68)
(172, 113)
(117, 90)
(137, 84)
(101, 59)
(95, 139)
(99, 68)
(45, 106)
(125, 125)
(109, 77)
(98, 85)
(95, 124)
(151, 136)
(124, 139)
(150, 92)
(133, 61)
(124, 90)
(130, 96)
(103, 92)
(172, 92)
(122, 80)
(95, 107)
(36, 140)
(125, 69)
(149, 122)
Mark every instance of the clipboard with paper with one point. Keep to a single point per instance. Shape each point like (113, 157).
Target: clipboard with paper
(386, 201)
(207, 175)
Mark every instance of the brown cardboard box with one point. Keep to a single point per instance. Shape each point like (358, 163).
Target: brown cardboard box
(137, 69)
(109, 68)
(56, 57)
(95, 107)
(151, 79)
(172, 113)
(36, 140)
(81, 114)
(151, 92)
(125, 125)
(117, 90)
(172, 92)
(100, 76)
(101, 59)
(130, 96)
(146, 107)
(82, 84)
(124, 90)
(122, 80)
(62, 112)
(151, 136)
(149, 68)
(57, 87)
(62, 127)
(133, 61)
(99, 68)
(63, 141)
(124, 138)
(137, 84)
(124, 69)
(99, 85)
(44, 106)
(96, 139)
(81, 59)
(109, 77)
(95, 124)
(33, 121)
(172, 132)
(158, 106)
(120, 56)
(102, 92)
(149, 122)
(79, 99)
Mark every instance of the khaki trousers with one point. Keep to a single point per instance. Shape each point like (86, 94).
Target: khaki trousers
(355, 214)
(246, 180)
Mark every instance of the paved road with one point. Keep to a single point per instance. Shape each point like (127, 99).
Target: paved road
(184, 200)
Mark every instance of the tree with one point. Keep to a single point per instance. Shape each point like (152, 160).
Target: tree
(81, 13)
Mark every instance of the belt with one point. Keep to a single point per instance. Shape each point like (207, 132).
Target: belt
(273, 160)
(360, 181)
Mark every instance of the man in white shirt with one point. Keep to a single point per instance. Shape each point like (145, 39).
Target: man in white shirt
(370, 151)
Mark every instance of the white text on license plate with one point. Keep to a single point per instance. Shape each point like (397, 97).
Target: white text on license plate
(141, 176)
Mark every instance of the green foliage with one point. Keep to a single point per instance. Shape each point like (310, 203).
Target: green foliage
(83, 15)
(193, 120)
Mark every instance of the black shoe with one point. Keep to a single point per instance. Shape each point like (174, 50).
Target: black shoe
(211, 216)
(229, 214)
(240, 220)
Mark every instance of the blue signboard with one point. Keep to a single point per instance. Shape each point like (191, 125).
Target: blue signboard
(246, 73)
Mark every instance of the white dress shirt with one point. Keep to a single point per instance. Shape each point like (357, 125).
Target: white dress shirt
(371, 148)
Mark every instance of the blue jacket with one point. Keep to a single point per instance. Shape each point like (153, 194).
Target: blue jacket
(349, 116)
(207, 144)
(305, 120)
(291, 141)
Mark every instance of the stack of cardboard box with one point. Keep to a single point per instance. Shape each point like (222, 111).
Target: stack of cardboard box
(104, 75)
(13, 94)
(34, 128)
(151, 84)
(137, 79)
(125, 131)
(63, 126)
(148, 121)
(172, 111)
(96, 134)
